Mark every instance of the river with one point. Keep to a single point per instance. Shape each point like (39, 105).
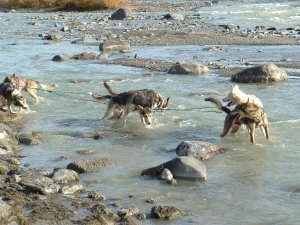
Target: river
(249, 184)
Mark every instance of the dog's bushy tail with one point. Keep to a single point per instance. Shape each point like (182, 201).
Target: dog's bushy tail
(109, 89)
(100, 97)
(218, 103)
(47, 87)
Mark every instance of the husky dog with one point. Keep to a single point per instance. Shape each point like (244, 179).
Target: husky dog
(248, 114)
(28, 85)
(10, 95)
(143, 101)
(236, 96)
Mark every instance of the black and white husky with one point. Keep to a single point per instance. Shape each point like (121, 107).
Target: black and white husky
(143, 101)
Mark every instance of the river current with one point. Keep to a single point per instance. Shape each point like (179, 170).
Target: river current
(249, 184)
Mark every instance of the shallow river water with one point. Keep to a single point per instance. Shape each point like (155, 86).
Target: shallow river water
(249, 184)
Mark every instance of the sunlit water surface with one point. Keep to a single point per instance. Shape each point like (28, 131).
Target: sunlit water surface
(249, 184)
(248, 14)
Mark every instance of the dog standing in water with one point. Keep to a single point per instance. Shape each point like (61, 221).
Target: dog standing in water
(143, 101)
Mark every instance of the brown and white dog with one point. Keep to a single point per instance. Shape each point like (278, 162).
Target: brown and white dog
(247, 114)
(10, 95)
(143, 101)
(28, 85)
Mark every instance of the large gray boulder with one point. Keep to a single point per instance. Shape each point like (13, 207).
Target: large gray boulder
(260, 74)
(114, 45)
(198, 149)
(184, 167)
(90, 165)
(189, 69)
(64, 175)
(121, 14)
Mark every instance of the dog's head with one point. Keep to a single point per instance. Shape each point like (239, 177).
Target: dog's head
(146, 114)
(19, 100)
(233, 96)
(10, 79)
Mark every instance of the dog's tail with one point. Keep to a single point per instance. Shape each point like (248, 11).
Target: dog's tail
(100, 97)
(47, 87)
(109, 89)
(219, 105)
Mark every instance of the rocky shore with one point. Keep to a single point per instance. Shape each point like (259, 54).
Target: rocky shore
(30, 196)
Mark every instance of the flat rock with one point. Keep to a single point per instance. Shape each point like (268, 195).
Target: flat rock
(114, 45)
(188, 69)
(37, 183)
(90, 165)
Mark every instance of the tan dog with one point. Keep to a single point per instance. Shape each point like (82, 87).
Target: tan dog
(236, 97)
(143, 101)
(248, 114)
(28, 85)
(9, 95)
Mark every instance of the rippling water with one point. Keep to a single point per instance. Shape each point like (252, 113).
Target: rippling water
(249, 184)
(251, 13)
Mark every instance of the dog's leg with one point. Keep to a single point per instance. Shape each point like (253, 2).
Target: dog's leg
(32, 92)
(9, 107)
(110, 111)
(251, 127)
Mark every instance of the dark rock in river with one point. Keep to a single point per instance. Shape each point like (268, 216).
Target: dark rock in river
(199, 149)
(260, 74)
(90, 165)
(60, 58)
(174, 16)
(184, 167)
(121, 14)
(166, 212)
(191, 69)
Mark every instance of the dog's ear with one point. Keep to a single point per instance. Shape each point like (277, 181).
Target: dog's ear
(14, 75)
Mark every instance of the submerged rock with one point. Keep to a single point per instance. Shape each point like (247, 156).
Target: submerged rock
(90, 165)
(184, 167)
(260, 74)
(198, 149)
